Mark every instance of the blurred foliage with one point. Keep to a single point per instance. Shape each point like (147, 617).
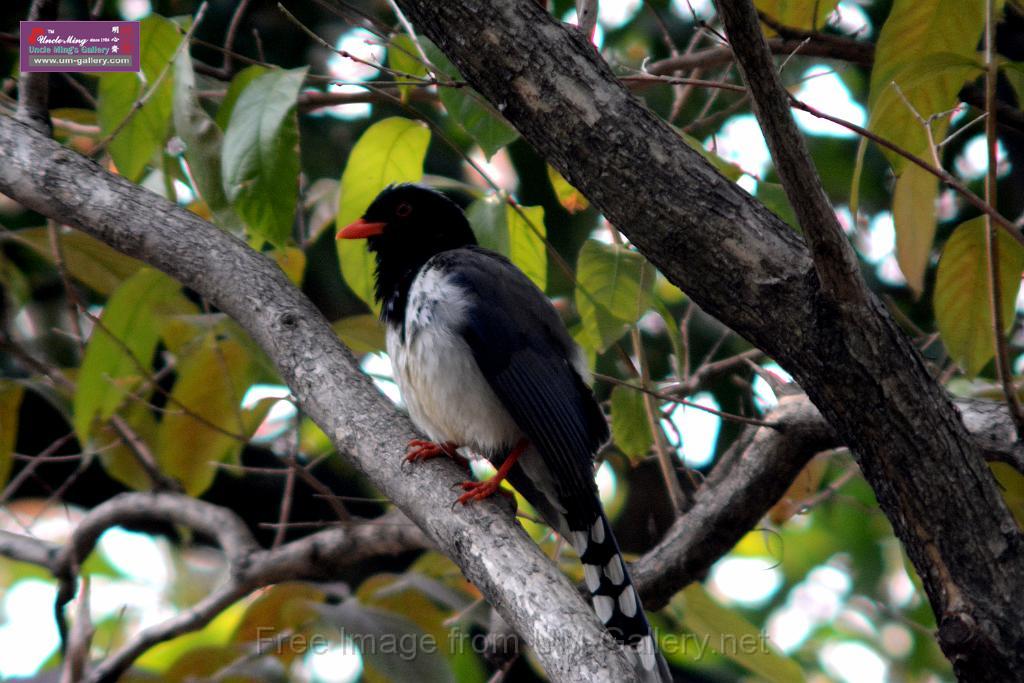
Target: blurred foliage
(253, 144)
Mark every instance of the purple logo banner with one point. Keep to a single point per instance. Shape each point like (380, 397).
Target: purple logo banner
(80, 46)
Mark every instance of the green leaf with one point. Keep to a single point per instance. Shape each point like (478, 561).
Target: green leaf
(1014, 73)
(238, 85)
(203, 141)
(519, 236)
(806, 15)
(390, 151)
(260, 158)
(571, 199)
(630, 429)
(961, 298)
(292, 261)
(147, 128)
(211, 382)
(118, 459)
(729, 634)
(913, 213)
(11, 394)
(363, 622)
(404, 58)
(928, 48)
(127, 338)
(88, 260)
(774, 197)
(613, 288)
(361, 333)
(469, 109)
(726, 168)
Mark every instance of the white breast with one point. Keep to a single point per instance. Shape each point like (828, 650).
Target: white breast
(444, 390)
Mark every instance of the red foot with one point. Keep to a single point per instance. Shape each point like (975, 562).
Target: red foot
(479, 490)
(425, 450)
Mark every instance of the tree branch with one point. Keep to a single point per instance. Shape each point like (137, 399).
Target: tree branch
(34, 87)
(834, 259)
(492, 550)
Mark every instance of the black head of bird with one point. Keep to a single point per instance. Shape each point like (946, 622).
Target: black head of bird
(406, 225)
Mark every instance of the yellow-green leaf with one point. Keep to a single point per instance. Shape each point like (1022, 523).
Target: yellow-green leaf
(390, 151)
(118, 459)
(211, 382)
(117, 348)
(927, 47)
(807, 15)
(913, 213)
(404, 58)
(729, 634)
(144, 130)
(292, 261)
(260, 157)
(515, 232)
(571, 199)
(88, 260)
(961, 298)
(361, 333)
(630, 429)
(10, 405)
(613, 288)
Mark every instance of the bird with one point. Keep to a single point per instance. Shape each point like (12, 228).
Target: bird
(485, 365)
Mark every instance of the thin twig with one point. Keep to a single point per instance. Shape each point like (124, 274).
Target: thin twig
(1004, 372)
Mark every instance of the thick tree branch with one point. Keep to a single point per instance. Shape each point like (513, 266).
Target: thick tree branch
(483, 539)
(743, 265)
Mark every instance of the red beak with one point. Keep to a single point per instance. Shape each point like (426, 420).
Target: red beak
(360, 229)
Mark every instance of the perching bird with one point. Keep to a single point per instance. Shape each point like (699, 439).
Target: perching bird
(484, 361)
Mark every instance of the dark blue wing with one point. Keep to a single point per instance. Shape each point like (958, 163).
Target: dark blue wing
(525, 353)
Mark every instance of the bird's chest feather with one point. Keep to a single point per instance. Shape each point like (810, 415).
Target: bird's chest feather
(446, 394)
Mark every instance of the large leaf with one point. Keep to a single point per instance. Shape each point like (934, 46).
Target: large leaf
(203, 142)
(927, 47)
(260, 158)
(613, 287)
(913, 211)
(88, 260)
(961, 299)
(630, 428)
(807, 15)
(729, 634)
(148, 127)
(516, 232)
(469, 109)
(238, 85)
(125, 340)
(203, 415)
(10, 406)
(390, 151)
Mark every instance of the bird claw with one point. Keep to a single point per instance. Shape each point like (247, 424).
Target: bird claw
(419, 450)
(480, 490)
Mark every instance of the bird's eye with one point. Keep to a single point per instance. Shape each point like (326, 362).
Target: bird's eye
(403, 210)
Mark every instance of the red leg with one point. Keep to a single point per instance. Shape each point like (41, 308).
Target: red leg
(425, 450)
(478, 490)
